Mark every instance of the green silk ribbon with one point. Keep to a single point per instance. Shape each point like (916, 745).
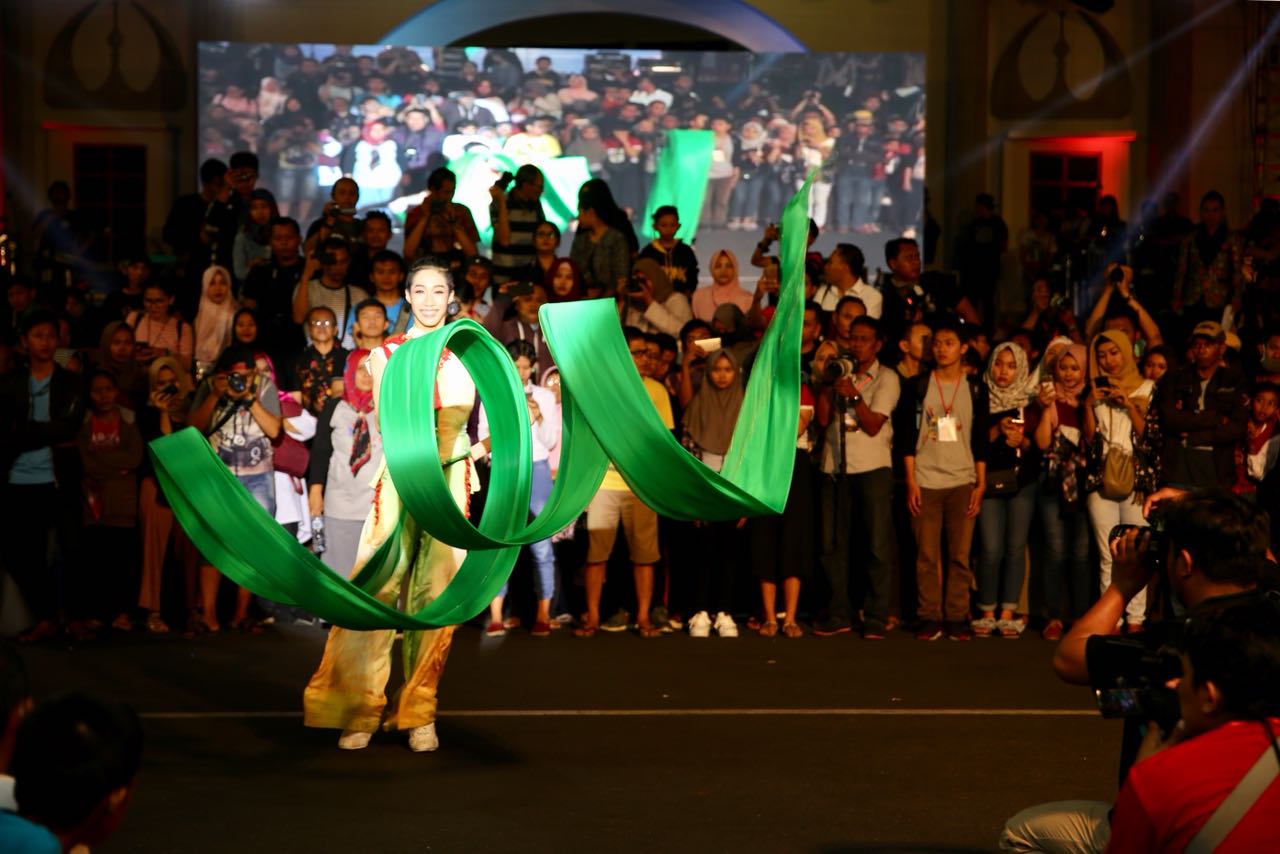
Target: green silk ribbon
(681, 177)
(607, 416)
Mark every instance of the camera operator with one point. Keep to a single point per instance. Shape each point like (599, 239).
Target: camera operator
(338, 216)
(855, 404)
(1214, 557)
(515, 216)
(1207, 786)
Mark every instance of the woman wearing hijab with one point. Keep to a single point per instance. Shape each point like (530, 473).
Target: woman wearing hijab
(725, 288)
(1115, 418)
(215, 318)
(253, 242)
(118, 355)
(650, 303)
(346, 453)
(735, 333)
(1062, 514)
(564, 281)
(708, 423)
(1013, 466)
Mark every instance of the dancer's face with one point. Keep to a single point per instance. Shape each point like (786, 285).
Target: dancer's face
(428, 296)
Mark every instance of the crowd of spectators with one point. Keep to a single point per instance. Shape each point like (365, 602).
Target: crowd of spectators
(940, 447)
(389, 117)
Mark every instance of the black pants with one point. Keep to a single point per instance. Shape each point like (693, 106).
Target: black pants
(32, 514)
(104, 579)
(717, 558)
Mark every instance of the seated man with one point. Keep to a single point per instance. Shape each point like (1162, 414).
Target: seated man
(1211, 785)
(75, 762)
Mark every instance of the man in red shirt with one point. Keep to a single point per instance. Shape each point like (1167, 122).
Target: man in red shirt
(1198, 786)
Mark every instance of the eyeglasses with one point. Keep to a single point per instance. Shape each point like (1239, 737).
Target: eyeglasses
(155, 301)
(323, 323)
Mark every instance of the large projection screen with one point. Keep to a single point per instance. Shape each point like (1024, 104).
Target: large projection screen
(387, 116)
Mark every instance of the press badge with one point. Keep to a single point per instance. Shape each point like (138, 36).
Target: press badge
(947, 430)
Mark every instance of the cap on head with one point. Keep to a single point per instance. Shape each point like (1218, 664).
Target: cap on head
(1209, 329)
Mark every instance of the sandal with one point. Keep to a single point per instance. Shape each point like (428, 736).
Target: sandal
(754, 623)
(197, 626)
(155, 625)
(122, 623)
(648, 631)
(792, 630)
(248, 626)
(769, 629)
(1052, 631)
(586, 630)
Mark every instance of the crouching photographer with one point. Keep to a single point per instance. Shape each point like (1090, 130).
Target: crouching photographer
(1203, 554)
(1209, 784)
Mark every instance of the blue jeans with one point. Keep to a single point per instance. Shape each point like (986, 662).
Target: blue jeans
(744, 203)
(263, 488)
(857, 199)
(1004, 523)
(544, 558)
(1066, 548)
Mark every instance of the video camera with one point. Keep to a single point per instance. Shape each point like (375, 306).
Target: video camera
(838, 369)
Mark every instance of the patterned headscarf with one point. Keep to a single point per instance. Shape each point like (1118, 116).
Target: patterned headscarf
(1014, 395)
(362, 403)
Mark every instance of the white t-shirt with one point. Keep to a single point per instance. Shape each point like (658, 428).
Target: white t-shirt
(863, 452)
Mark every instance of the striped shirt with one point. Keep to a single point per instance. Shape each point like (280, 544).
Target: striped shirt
(523, 217)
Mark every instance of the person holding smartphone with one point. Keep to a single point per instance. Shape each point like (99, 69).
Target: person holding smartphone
(1115, 418)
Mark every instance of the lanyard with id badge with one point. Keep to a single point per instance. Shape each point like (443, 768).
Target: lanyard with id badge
(946, 427)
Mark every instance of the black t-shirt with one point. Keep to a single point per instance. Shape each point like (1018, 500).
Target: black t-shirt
(271, 286)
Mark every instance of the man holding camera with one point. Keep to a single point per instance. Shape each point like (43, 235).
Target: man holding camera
(515, 216)
(332, 289)
(855, 403)
(239, 412)
(1214, 558)
(1209, 786)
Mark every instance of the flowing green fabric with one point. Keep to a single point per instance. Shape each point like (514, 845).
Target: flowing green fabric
(562, 178)
(681, 177)
(607, 416)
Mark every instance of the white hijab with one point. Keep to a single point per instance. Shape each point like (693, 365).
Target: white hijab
(214, 321)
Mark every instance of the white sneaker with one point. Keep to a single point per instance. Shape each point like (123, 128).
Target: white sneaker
(725, 626)
(352, 740)
(700, 625)
(423, 738)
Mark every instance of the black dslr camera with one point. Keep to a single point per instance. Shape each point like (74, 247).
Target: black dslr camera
(237, 382)
(1129, 676)
(504, 180)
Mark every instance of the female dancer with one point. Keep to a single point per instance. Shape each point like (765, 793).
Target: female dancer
(348, 690)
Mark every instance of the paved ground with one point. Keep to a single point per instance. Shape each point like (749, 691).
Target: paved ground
(617, 743)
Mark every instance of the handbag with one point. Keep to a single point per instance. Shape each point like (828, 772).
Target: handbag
(1117, 470)
(1002, 483)
(288, 455)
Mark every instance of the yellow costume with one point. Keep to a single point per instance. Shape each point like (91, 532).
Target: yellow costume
(348, 690)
